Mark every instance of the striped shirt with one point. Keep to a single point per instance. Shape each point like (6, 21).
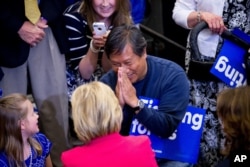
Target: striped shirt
(78, 33)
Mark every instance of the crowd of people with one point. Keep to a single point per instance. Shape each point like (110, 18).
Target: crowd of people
(219, 16)
(104, 83)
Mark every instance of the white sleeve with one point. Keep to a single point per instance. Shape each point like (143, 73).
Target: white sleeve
(181, 11)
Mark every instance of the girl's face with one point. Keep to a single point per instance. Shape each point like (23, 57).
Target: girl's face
(104, 8)
(30, 122)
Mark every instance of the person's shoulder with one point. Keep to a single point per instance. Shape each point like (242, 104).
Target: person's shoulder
(108, 77)
(138, 141)
(164, 63)
(3, 159)
(73, 7)
(73, 12)
(40, 136)
(73, 152)
(43, 140)
(160, 60)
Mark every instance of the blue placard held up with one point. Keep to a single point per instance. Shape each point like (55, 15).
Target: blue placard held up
(229, 65)
(183, 144)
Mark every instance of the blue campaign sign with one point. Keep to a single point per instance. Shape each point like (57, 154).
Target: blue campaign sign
(183, 144)
(229, 65)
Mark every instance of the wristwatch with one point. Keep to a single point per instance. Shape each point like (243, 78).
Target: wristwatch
(139, 106)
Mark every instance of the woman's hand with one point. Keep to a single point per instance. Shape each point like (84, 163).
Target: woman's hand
(99, 41)
(215, 22)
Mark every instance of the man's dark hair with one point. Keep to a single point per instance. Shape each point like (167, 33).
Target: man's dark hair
(122, 35)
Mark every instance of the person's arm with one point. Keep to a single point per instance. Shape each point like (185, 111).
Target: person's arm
(186, 14)
(48, 162)
(88, 64)
(173, 101)
(215, 22)
(194, 18)
(181, 11)
(76, 34)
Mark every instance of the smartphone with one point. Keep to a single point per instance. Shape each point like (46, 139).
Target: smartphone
(99, 28)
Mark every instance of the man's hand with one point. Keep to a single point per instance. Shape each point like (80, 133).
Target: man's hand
(124, 89)
(42, 23)
(33, 34)
(118, 92)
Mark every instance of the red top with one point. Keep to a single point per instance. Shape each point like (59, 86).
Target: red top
(112, 150)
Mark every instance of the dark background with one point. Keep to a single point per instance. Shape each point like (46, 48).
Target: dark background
(160, 21)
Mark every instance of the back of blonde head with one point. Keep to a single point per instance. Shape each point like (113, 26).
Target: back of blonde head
(95, 110)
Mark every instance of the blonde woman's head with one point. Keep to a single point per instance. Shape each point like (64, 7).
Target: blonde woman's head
(95, 110)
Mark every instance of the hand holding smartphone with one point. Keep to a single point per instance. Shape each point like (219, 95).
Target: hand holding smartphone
(99, 28)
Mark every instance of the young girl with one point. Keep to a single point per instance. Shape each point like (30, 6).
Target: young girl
(20, 143)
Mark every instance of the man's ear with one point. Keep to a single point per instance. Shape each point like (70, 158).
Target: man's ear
(144, 54)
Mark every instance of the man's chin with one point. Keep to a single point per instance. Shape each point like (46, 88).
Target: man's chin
(132, 79)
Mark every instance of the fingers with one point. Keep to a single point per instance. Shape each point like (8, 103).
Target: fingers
(125, 86)
(122, 73)
(37, 37)
(107, 33)
(118, 92)
(31, 34)
(216, 26)
(33, 44)
(99, 42)
(215, 22)
(42, 23)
